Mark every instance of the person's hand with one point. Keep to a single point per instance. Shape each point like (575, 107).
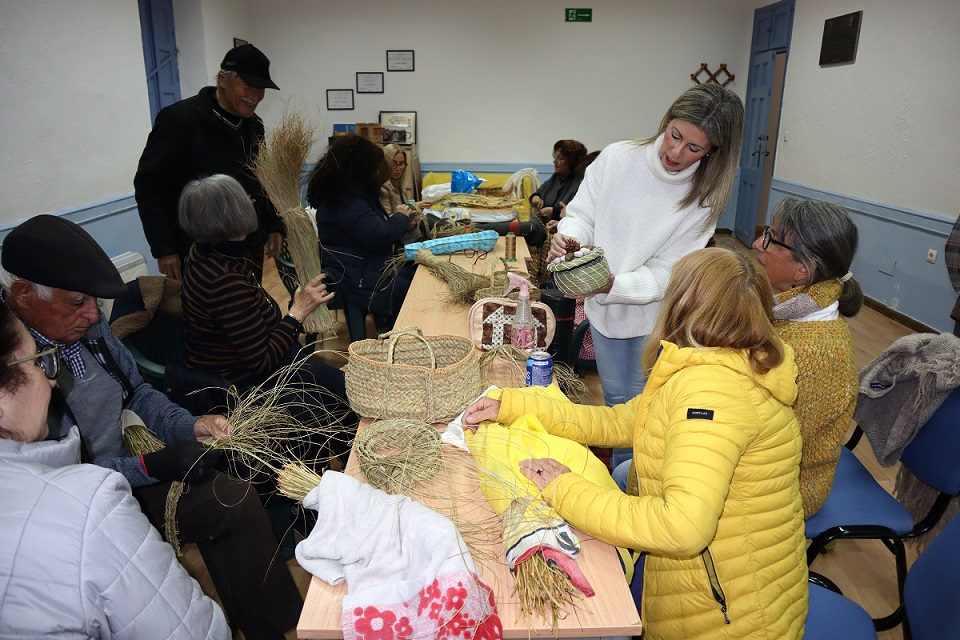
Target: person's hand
(273, 244)
(185, 461)
(307, 298)
(563, 209)
(558, 246)
(536, 201)
(406, 210)
(546, 212)
(413, 221)
(170, 266)
(542, 471)
(483, 409)
(212, 426)
(552, 226)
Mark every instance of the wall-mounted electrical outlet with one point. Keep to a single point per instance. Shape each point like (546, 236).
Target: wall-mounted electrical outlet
(932, 256)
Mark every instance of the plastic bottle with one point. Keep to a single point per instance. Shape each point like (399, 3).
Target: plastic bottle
(523, 334)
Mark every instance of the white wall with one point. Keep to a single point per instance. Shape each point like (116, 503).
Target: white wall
(500, 81)
(886, 128)
(191, 46)
(75, 108)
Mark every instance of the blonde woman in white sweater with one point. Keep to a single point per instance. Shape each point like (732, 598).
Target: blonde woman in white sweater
(648, 203)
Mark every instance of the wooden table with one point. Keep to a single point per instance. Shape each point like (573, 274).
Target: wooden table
(610, 613)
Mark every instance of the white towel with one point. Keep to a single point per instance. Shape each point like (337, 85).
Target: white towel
(514, 183)
(406, 566)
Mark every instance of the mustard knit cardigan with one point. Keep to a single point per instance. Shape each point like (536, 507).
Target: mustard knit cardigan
(826, 391)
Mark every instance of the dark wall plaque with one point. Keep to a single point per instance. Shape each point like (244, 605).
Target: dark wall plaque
(840, 37)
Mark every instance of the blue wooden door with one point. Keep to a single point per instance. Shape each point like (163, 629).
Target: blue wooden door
(753, 152)
(159, 53)
(772, 26)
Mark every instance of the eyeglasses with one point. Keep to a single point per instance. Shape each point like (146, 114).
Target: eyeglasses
(768, 239)
(558, 158)
(476, 254)
(48, 361)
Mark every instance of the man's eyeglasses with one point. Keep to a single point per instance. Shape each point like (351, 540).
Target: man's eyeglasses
(48, 360)
(768, 239)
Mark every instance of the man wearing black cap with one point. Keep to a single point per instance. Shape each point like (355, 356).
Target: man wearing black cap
(52, 274)
(215, 131)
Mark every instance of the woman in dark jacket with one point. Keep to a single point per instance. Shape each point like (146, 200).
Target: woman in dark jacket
(560, 188)
(357, 236)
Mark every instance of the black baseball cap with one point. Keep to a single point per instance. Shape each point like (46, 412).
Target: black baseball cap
(54, 252)
(251, 65)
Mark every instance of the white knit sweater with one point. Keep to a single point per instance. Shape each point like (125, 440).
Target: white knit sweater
(627, 204)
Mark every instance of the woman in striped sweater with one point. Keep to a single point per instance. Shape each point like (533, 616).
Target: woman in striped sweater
(234, 329)
(648, 203)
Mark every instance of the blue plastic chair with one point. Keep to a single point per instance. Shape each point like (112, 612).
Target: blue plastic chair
(932, 590)
(859, 508)
(833, 616)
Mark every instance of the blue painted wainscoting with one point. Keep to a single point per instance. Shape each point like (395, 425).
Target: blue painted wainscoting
(113, 223)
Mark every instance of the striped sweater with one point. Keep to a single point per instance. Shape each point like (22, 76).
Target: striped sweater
(627, 204)
(233, 327)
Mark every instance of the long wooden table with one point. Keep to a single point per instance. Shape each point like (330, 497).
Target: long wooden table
(610, 613)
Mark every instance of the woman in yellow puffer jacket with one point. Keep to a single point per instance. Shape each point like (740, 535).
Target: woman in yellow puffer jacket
(717, 454)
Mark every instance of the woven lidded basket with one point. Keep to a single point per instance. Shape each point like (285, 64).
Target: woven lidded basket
(403, 374)
(581, 275)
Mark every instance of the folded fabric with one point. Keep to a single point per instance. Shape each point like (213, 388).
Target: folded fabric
(530, 524)
(408, 571)
(902, 387)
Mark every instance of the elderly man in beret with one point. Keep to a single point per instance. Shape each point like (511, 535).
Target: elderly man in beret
(215, 131)
(53, 272)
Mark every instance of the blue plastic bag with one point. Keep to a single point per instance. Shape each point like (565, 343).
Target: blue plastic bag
(464, 182)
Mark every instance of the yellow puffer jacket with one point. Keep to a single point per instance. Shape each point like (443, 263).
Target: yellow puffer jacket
(717, 454)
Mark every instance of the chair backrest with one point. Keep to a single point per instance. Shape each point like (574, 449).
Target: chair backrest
(932, 588)
(934, 453)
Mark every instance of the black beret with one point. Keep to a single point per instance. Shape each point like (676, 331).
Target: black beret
(55, 252)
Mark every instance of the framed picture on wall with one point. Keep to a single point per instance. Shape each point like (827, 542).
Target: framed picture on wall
(399, 127)
(400, 60)
(369, 82)
(339, 99)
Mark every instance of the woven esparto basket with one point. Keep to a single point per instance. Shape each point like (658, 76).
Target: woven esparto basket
(581, 275)
(402, 374)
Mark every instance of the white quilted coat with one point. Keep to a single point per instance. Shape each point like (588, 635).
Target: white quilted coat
(78, 559)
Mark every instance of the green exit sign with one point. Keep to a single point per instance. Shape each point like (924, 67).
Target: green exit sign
(579, 15)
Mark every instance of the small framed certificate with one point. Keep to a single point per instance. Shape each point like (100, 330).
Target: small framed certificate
(369, 82)
(400, 60)
(339, 99)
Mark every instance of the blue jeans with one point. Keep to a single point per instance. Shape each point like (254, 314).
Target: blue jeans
(621, 374)
(620, 473)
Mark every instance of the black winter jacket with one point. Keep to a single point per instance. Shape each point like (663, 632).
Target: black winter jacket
(189, 141)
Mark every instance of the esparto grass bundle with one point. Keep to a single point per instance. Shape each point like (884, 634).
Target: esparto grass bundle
(544, 588)
(139, 441)
(462, 283)
(296, 480)
(279, 167)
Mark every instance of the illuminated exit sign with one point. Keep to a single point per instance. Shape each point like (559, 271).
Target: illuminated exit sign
(579, 15)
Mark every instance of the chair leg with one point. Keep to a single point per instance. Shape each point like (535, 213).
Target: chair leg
(864, 532)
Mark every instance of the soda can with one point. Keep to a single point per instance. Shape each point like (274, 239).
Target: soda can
(539, 369)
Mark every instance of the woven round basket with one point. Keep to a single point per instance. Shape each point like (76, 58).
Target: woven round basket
(402, 374)
(581, 275)
(397, 453)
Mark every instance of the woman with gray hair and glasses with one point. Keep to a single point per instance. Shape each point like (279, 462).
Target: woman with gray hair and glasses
(806, 251)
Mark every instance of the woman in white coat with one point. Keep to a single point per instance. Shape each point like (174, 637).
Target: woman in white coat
(78, 559)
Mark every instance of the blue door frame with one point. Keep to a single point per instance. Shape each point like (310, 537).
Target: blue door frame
(772, 26)
(159, 54)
